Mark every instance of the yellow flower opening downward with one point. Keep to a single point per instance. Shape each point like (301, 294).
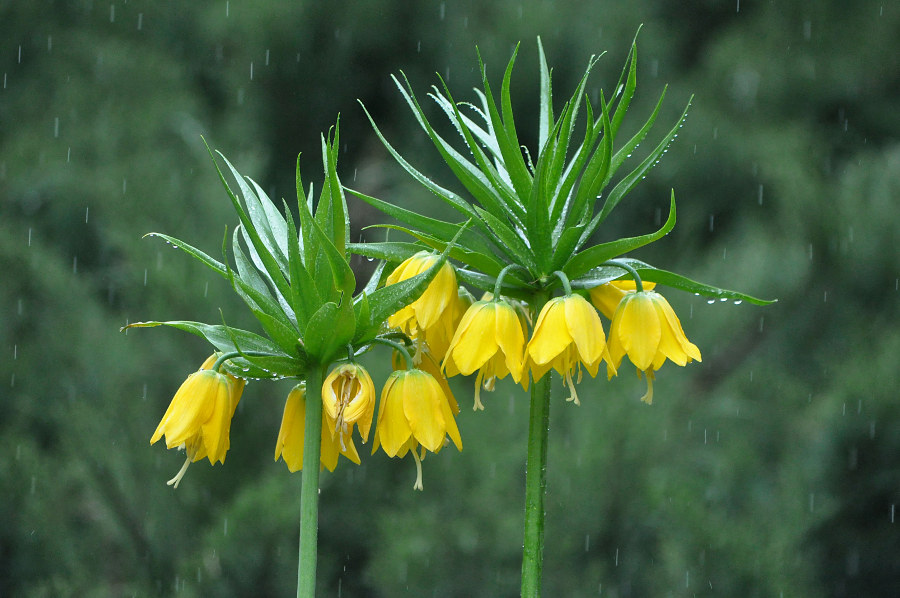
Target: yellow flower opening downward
(436, 310)
(414, 412)
(198, 418)
(489, 339)
(645, 328)
(568, 334)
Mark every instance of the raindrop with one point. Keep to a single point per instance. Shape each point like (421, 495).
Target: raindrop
(587, 542)
(724, 252)
(443, 10)
(29, 237)
(144, 395)
(419, 47)
(810, 251)
(807, 30)
(15, 351)
(49, 43)
(893, 506)
(4, 80)
(267, 57)
(86, 212)
(251, 70)
(738, 9)
(75, 265)
(140, 21)
(56, 128)
(825, 297)
(760, 195)
(12, 381)
(738, 301)
(206, 288)
(354, 174)
(761, 321)
(20, 54)
(812, 501)
(227, 8)
(68, 155)
(124, 185)
(710, 301)
(723, 299)
(715, 132)
(711, 222)
(617, 557)
(145, 276)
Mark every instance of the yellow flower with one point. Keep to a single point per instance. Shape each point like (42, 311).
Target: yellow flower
(489, 339)
(428, 310)
(606, 297)
(646, 329)
(289, 445)
(414, 412)
(348, 399)
(567, 335)
(198, 418)
(425, 361)
(438, 337)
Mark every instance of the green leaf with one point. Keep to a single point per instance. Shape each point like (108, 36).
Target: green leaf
(452, 199)
(628, 183)
(596, 172)
(596, 255)
(304, 296)
(510, 243)
(433, 227)
(213, 264)
(648, 273)
(512, 286)
(630, 84)
(392, 251)
(546, 110)
(329, 330)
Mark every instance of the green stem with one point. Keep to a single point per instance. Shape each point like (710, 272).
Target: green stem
(309, 491)
(638, 285)
(536, 479)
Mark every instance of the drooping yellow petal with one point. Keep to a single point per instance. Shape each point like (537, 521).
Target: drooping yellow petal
(475, 339)
(511, 340)
(639, 329)
(551, 334)
(289, 445)
(586, 330)
(392, 429)
(422, 408)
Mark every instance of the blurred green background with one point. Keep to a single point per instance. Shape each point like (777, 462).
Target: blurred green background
(772, 468)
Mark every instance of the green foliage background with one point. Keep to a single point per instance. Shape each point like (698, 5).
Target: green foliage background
(771, 469)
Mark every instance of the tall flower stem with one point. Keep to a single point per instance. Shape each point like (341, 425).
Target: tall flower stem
(536, 478)
(309, 491)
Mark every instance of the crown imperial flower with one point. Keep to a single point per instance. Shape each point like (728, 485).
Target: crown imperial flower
(435, 306)
(198, 418)
(414, 412)
(488, 339)
(645, 328)
(568, 334)
(606, 297)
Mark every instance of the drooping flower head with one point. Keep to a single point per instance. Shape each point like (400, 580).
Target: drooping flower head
(568, 334)
(289, 445)
(489, 339)
(438, 301)
(645, 328)
(438, 337)
(414, 412)
(348, 398)
(606, 297)
(198, 418)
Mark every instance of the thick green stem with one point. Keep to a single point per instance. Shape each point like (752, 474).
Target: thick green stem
(536, 480)
(309, 492)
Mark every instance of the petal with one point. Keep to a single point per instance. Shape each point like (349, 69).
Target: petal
(511, 339)
(585, 329)
(551, 335)
(475, 339)
(393, 428)
(639, 330)
(422, 408)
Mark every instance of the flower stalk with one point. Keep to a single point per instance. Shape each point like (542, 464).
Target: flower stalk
(309, 490)
(536, 479)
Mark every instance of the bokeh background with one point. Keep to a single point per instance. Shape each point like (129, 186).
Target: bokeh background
(772, 468)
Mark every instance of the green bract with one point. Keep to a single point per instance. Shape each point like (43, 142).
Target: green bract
(297, 282)
(541, 214)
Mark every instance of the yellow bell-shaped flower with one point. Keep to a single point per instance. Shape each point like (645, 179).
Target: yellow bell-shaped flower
(435, 304)
(645, 328)
(198, 418)
(348, 399)
(568, 334)
(414, 412)
(489, 339)
(289, 445)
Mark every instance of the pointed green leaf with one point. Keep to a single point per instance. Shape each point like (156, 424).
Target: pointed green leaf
(213, 264)
(546, 110)
(596, 255)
